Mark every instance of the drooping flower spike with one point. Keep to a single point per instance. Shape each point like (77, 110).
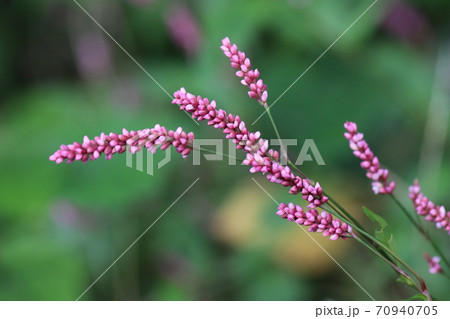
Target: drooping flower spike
(259, 156)
(369, 162)
(322, 222)
(426, 208)
(113, 143)
(239, 61)
(433, 264)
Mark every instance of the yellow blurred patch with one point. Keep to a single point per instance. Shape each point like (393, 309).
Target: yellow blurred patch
(240, 223)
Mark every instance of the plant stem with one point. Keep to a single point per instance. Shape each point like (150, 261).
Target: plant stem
(378, 245)
(216, 153)
(282, 149)
(371, 242)
(406, 213)
(379, 254)
(342, 209)
(298, 170)
(421, 230)
(329, 197)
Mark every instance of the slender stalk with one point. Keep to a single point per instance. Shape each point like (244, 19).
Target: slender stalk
(376, 252)
(330, 198)
(297, 170)
(375, 242)
(406, 213)
(293, 166)
(342, 209)
(371, 242)
(357, 226)
(217, 153)
(421, 230)
(282, 148)
(342, 215)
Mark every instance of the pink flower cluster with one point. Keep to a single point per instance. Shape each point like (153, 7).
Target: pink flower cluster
(424, 207)
(433, 263)
(258, 90)
(265, 162)
(319, 222)
(111, 144)
(259, 156)
(370, 163)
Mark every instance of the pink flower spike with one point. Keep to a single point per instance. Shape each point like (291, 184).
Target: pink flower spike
(369, 162)
(426, 208)
(318, 223)
(239, 61)
(118, 143)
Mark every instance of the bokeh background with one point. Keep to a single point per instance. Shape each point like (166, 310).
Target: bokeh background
(61, 77)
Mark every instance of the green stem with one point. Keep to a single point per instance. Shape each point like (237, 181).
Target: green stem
(421, 287)
(342, 210)
(282, 149)
(375, 242)
(379, 254)
(421, 230)
(216, 153)
(370, 240)
(406, 213)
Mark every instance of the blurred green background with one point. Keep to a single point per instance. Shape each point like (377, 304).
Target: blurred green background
(61, 77)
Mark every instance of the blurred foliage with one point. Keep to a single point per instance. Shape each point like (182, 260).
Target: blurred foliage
(61, 77)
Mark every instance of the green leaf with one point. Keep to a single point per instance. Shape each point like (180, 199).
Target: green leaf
(417, 297)
(392, 244)
(379, 234)
(407, 281)
(375, 217)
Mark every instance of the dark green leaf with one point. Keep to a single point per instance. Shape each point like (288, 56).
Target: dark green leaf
(417, 297)
(392, 244)
(407, 281)
(375, 217)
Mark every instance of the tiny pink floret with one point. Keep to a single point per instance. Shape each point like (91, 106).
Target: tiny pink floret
(433, 264)
(369, 162)
(426, 208)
